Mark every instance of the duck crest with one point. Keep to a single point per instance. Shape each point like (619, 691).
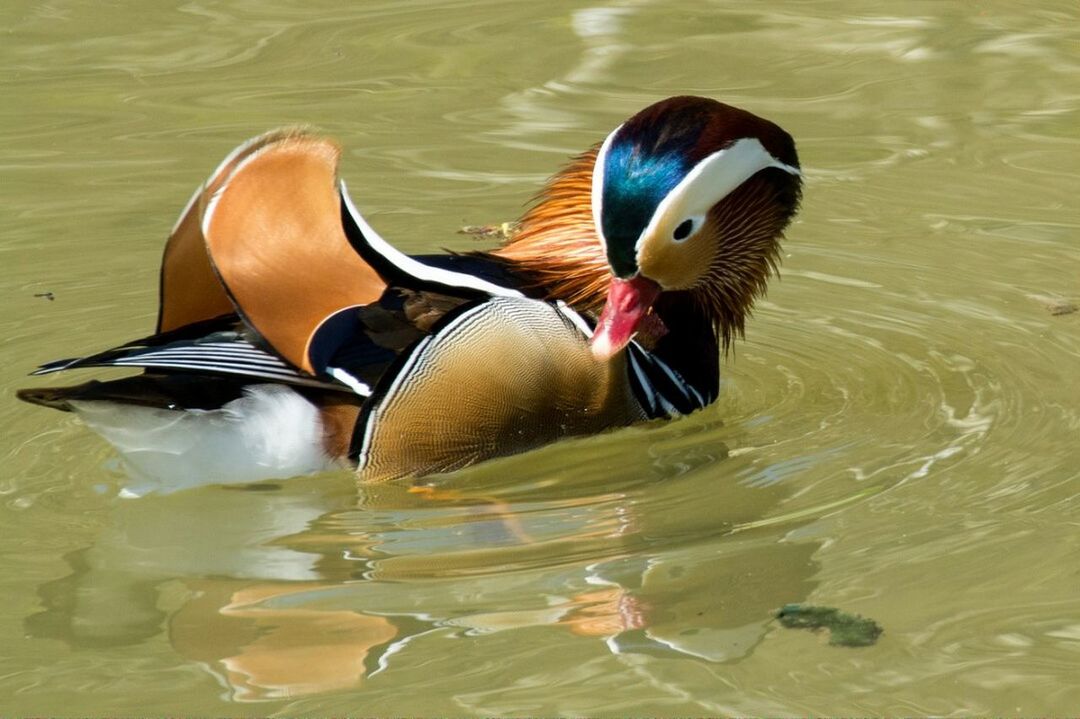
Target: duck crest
(556, 246)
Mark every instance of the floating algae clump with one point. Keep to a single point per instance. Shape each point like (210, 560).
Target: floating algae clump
(845, 630)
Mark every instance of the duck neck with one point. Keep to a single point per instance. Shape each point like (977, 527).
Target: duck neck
(691, 344)
(556, 250)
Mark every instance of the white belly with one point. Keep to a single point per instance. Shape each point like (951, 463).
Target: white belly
(270, 433)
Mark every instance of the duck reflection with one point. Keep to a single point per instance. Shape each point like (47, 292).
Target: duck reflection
(286, 593)
(263, 651)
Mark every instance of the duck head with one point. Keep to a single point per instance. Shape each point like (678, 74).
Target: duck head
(690, 195)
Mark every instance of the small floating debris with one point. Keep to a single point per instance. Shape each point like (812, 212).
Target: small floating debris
(1061, 307)
(1055, 304)
(47, 295)
(845, 630)
(502, 231)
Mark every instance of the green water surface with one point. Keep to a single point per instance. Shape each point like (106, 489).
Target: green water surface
(898, 437)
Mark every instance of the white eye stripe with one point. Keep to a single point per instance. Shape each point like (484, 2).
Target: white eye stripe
(710, 181)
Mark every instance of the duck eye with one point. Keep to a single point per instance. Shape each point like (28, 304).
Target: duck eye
(683, 230)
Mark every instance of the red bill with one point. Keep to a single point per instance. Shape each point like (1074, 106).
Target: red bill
(628, 303)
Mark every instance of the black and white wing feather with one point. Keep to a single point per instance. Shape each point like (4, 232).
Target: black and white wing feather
(224, 352)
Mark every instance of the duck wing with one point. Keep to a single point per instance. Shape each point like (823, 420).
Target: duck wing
(274, 238)
(294, 258)
(220, 346)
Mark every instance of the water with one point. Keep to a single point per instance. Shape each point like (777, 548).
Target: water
(897, 437)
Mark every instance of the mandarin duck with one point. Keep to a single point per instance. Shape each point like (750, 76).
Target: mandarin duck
(292, 338)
